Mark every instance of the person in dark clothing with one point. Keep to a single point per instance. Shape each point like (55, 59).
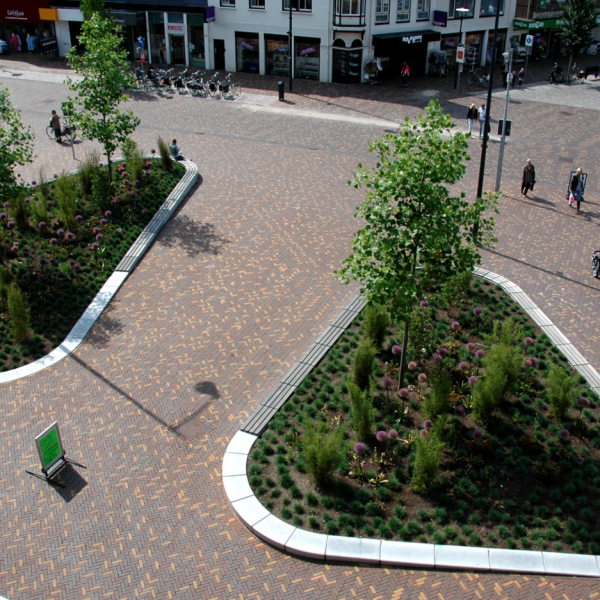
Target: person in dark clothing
(405, 74)
(472, 117)
(577, 187)
(55, 124)
(528, 180)
(505, 71)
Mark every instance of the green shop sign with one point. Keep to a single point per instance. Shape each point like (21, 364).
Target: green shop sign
(49, 447)
(540, 24)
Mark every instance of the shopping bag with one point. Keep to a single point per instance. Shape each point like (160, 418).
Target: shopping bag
(571, 198)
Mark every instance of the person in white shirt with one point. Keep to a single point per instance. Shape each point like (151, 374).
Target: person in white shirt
(482, 113)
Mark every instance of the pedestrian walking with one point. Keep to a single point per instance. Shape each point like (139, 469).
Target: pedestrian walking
(405, 74)
(528, 180)
(482, 114)
(513, 79)
(471, 117)
(521, 76)
(576, 188)
(505, 71)
(55, 124)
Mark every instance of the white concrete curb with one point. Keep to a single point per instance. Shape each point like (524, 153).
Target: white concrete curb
(114, 282)
(330, 548)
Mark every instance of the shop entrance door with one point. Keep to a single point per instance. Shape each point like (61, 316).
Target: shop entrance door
(220, 55)
(177, 50)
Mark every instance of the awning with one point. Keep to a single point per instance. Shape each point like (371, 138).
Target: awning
(409, 37)
(528, 25)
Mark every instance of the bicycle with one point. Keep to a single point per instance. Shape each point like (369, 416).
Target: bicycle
(69, 132)
(478, 76)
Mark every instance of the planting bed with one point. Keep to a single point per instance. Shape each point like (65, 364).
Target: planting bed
(60, 271)
(519, 479)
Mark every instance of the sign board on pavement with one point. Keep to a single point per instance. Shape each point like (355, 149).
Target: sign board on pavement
(49, 446)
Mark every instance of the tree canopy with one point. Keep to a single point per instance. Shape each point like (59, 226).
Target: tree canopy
(578, 22)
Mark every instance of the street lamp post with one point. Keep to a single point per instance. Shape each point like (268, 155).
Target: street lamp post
(290, 57)
(509, 76)
(461, 11)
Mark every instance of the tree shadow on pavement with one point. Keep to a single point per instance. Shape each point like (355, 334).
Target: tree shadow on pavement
(141, 96)
(105, 329)
(207, 388)
(192, 236)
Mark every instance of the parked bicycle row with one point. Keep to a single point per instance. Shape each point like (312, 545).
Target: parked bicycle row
(194, 84)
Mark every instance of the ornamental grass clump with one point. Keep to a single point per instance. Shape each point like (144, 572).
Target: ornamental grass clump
(438, 401)
(377, 321)
(165, 154)
(422, 334)
(18, 312)
(87, 171)
(323, 453)
(19, 211)
(561, 390)
(66, 197)
(363, 414)
(363, 364)
(429, 450)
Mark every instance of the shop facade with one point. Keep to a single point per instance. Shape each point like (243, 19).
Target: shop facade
(24, 28)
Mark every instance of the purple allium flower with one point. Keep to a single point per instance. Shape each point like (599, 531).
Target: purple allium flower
(107, 213)
(53, 261)
(144, 211)
(443, 351)
(473, 380)
(462, 365)
(527, 363)
(403, 393)
(132, 195)
(2, 216)
(15, 249)
(55, 176)
(16, 244)
(427, 424)
(429, 326)
(478, 435)
(392, 434)
(55, 224)
(69, 235)
(6, 204)
(470, 346)
(477, 311)
(113, 202)
(153, 151)
(148, 164)
(412, 365)
(27, 200)
(95, 246)
(387, 383)
(25, 253)
(437, 358)
(42, 225)
(25, 277)
(459, 411)
(103, 222)
(480, 353)
(528, 341)
(34, 183)
(99, 236)
(137, 183)
(43, 261)
(422, 377)
(123, 165)
(534, 361)
(455, 325)
(381, 436)
(71, 263)
(60, 232)
(424, 304)
(11, 224)
(583, 403)
(79, 218)
(41, 277)
(396, 350)
(359, 448)
(53, 241)
(77, 267)
(147, 173)
(423, 432)
(97, 230)
(564, 434)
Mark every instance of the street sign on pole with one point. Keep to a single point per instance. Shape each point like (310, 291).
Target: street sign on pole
(529, 40)
(460, 55)
(142, 57)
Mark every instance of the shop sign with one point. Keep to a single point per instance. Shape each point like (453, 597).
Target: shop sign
(306, 51)
(412, 39)
(536, 25)
(277, 47)
(174, 28)
(246, 45)
(440, 18)
(15, 15)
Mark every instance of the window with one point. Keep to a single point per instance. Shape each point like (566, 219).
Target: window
(301, 5)
(228, 3)
(382, 11)
(175, 17)
(422, 10)
(403, 13)
(350, 13)
(454, 4)
(488, 8)
(257, 4)
(348, 7)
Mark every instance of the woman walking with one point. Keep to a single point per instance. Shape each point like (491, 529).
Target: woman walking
(472, 117)
(528, 180)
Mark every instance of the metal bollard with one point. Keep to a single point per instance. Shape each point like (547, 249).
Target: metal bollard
(281, 86)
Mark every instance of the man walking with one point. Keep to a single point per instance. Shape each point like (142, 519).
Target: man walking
(577, 187)
(528, 180)
(55, 124)
(482, 114)
(405, 74)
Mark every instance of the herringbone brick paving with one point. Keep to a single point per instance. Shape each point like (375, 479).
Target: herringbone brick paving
(236, 288)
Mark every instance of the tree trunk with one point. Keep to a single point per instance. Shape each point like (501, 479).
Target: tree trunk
(403, 355)
(569, 69)
(109, 164)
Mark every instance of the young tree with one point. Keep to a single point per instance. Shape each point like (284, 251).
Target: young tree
(410, 218)
(578, 21)
(16, 145)
(105, 71)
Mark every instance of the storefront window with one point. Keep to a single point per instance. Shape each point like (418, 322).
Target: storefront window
(488, 8)
(246, 52)
(196, 41)
(175, 17)
(307, 57)
(158, 42)
(500, 43)
(454, 4)
(403, 13)
(277, 54)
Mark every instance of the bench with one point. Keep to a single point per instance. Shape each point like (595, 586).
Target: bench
(595, 70)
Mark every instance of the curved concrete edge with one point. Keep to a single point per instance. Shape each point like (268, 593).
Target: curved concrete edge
(332, 548)
(114, 282)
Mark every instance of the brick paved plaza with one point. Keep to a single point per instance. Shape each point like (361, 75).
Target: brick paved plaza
(236, 288)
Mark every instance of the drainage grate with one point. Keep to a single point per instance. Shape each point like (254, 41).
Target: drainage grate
(565, 159)
(192, 428)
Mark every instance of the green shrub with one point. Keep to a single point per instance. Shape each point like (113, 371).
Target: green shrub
(18, 313)
(438, 401)
(165, 154)
(87, 170)
(363, 413)
(363, 364)
(427, 462)
(323, 452)
(102, 191)
(377, 321)
(561, 391)
(454, 290)
(19, 211)
(66, 197)
(39, 208)
(487, 394)
(422, 336)
(134, 157)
